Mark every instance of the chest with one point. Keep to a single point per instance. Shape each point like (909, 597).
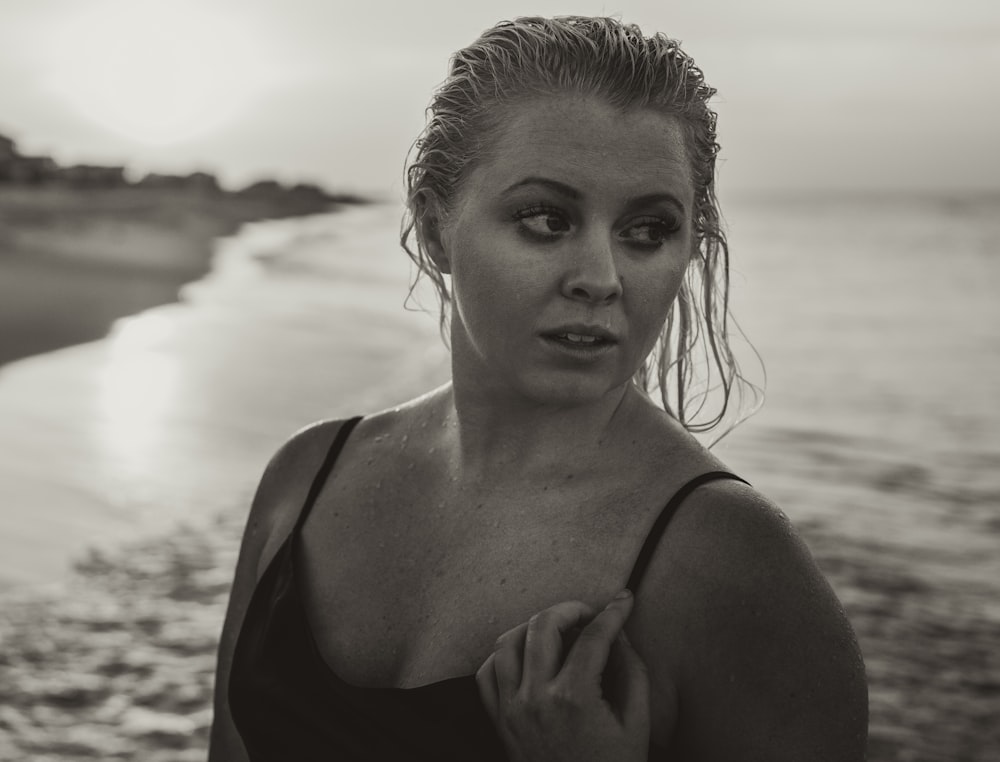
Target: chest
(406, 585)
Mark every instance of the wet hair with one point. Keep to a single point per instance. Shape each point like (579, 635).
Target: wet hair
(533, 57)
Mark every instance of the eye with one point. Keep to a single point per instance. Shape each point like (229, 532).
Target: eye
(542, 221)
(651, 232)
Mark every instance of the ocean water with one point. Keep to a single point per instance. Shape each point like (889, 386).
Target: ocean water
(174, 415)
(877, 320)
(879, 323)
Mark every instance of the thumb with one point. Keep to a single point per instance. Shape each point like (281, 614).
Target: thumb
(633, 686)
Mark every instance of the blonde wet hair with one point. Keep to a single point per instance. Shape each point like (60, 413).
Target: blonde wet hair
(533, 57)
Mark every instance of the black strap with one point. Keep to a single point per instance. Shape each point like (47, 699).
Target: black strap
(660, 525)
(324, 470)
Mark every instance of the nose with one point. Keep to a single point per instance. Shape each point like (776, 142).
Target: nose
(593, 273)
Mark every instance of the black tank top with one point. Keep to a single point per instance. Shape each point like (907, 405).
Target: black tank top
(287, 704)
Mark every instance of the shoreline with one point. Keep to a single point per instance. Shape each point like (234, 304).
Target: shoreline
(72, 262)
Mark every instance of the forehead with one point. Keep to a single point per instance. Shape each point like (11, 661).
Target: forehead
(589, 144)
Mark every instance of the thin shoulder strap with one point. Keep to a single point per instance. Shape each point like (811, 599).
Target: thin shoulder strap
(324, 470)
(660, 525)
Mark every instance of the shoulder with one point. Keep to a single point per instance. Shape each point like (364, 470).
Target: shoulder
(735, 615)
(276, 505)
(284, 486)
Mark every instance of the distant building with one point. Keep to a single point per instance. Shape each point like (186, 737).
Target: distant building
(18, 169)
(92, 176)
(8, 148)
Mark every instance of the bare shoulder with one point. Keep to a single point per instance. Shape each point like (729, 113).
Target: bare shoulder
(735, 618)
(283, 488)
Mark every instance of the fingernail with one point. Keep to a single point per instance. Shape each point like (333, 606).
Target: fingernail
(623, 595)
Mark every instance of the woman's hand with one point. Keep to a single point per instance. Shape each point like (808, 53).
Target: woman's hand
(591, 707)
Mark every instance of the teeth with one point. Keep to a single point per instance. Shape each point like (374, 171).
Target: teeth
(580, 339)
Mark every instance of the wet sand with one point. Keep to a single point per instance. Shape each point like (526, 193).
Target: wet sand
(73, 261)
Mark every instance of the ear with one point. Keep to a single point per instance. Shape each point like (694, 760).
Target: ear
(429, 224)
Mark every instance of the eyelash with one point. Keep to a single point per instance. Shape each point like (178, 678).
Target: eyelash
(666, 226)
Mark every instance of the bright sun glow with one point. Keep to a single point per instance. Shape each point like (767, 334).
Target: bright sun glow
(156, 72)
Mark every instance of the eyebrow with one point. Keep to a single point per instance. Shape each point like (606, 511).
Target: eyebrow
(570, 192)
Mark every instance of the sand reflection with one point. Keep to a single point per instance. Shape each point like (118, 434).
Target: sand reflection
(136, 389)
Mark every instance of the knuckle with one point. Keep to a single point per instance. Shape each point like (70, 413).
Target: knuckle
(561, 697)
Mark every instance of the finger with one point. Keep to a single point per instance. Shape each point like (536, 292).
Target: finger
(589, 655)
(508, 661)
(632, 686)
(544, 639)
(486, 681)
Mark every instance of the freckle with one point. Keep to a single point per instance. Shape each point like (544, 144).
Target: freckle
(569, 476)
(545, 488)
(555, 559)
(503, 580)
(369, 461)
(524, 589)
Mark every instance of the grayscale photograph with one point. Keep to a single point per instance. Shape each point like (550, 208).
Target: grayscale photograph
(499, 381)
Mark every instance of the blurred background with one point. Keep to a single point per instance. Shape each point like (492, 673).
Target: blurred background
(199, 214)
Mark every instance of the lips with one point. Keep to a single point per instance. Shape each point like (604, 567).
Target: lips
(582, 335)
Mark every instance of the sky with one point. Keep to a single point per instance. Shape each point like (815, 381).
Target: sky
(869, 95)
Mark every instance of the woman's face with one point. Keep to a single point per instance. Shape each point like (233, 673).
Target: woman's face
(566, 247)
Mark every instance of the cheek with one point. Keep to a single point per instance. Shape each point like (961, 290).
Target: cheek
(657, 291)
(488, 288)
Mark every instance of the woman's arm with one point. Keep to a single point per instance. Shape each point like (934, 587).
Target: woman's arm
(272, 515)
(736, 622)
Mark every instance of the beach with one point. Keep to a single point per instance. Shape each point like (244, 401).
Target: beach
(127, 464)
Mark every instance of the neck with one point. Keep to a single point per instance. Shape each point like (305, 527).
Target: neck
(513, 436)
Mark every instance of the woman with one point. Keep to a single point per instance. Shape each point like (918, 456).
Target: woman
(486, 572)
